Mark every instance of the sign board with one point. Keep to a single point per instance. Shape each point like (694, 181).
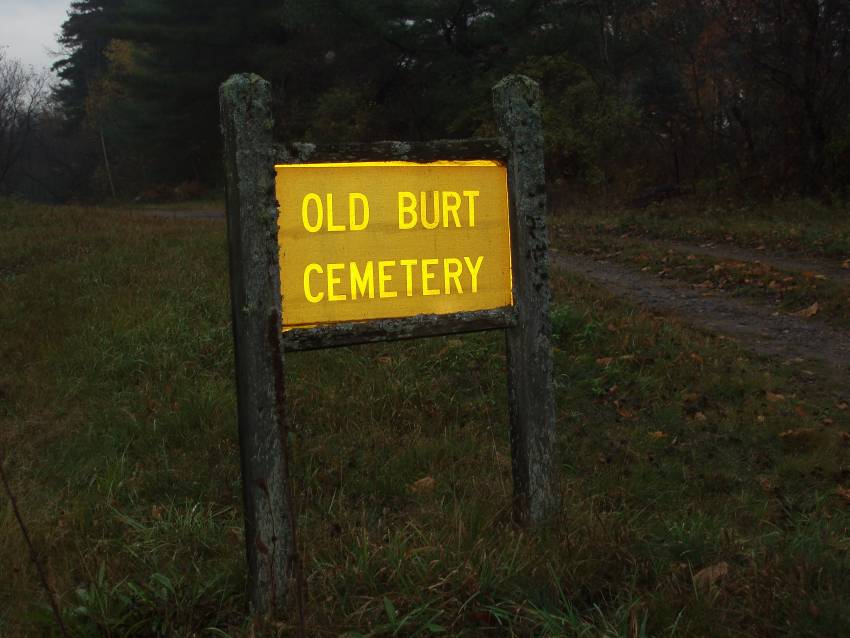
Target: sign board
(348, 244)
(380, 240)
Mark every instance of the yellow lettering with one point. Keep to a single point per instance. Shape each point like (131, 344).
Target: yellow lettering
(473, 271)
(384, 278)
(333, 281)
(450, 209)
(428, 276)
(307, 290)
(305, 204)
(360, 282)
(331, 226)
(408, 265)
(435, 210)
(352, 223)
(406, 206)
(470, 199)
(451, 270)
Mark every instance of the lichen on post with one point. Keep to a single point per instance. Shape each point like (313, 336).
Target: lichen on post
(516, 100)
(246, 124)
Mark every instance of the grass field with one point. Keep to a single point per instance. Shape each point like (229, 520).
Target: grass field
(795, 225)
(793, 228)
(705, 491)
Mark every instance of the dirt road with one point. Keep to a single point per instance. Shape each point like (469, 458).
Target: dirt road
(758, 327)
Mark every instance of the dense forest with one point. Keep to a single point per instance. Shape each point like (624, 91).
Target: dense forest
(711, 96)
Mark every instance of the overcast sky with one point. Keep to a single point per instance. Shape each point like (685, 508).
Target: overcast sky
(28, 29)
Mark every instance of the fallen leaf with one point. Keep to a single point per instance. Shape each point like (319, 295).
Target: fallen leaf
(625, 413)
(707, 577)
(774, 397)
(423, 485)
(658, 434)
(809, 312)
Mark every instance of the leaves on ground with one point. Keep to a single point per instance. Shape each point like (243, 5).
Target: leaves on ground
(808, 312)
(709, 576)
(423, 485)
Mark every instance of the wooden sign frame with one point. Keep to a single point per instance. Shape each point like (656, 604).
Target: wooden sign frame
(250, 155)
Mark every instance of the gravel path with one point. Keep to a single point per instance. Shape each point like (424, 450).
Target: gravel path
(774, 259)
(757, 327)
(177, 214)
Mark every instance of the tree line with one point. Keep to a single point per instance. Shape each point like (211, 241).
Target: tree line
(740, 96)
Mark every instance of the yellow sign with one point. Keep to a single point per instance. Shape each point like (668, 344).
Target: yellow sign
(380, 240)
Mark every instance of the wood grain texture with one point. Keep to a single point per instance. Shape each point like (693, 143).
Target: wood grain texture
(516, 100)
(346, 334)
(246, 125)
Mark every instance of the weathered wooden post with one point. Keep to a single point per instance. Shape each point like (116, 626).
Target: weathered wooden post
(516, 100)
(477, 210)
(246, 122)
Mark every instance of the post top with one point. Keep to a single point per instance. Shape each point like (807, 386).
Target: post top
(518, 84)
(240, 82)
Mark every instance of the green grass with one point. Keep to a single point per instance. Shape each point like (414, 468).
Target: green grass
(117, 423)
(798, 225)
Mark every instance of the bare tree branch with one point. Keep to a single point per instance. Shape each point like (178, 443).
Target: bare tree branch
(22, 96)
